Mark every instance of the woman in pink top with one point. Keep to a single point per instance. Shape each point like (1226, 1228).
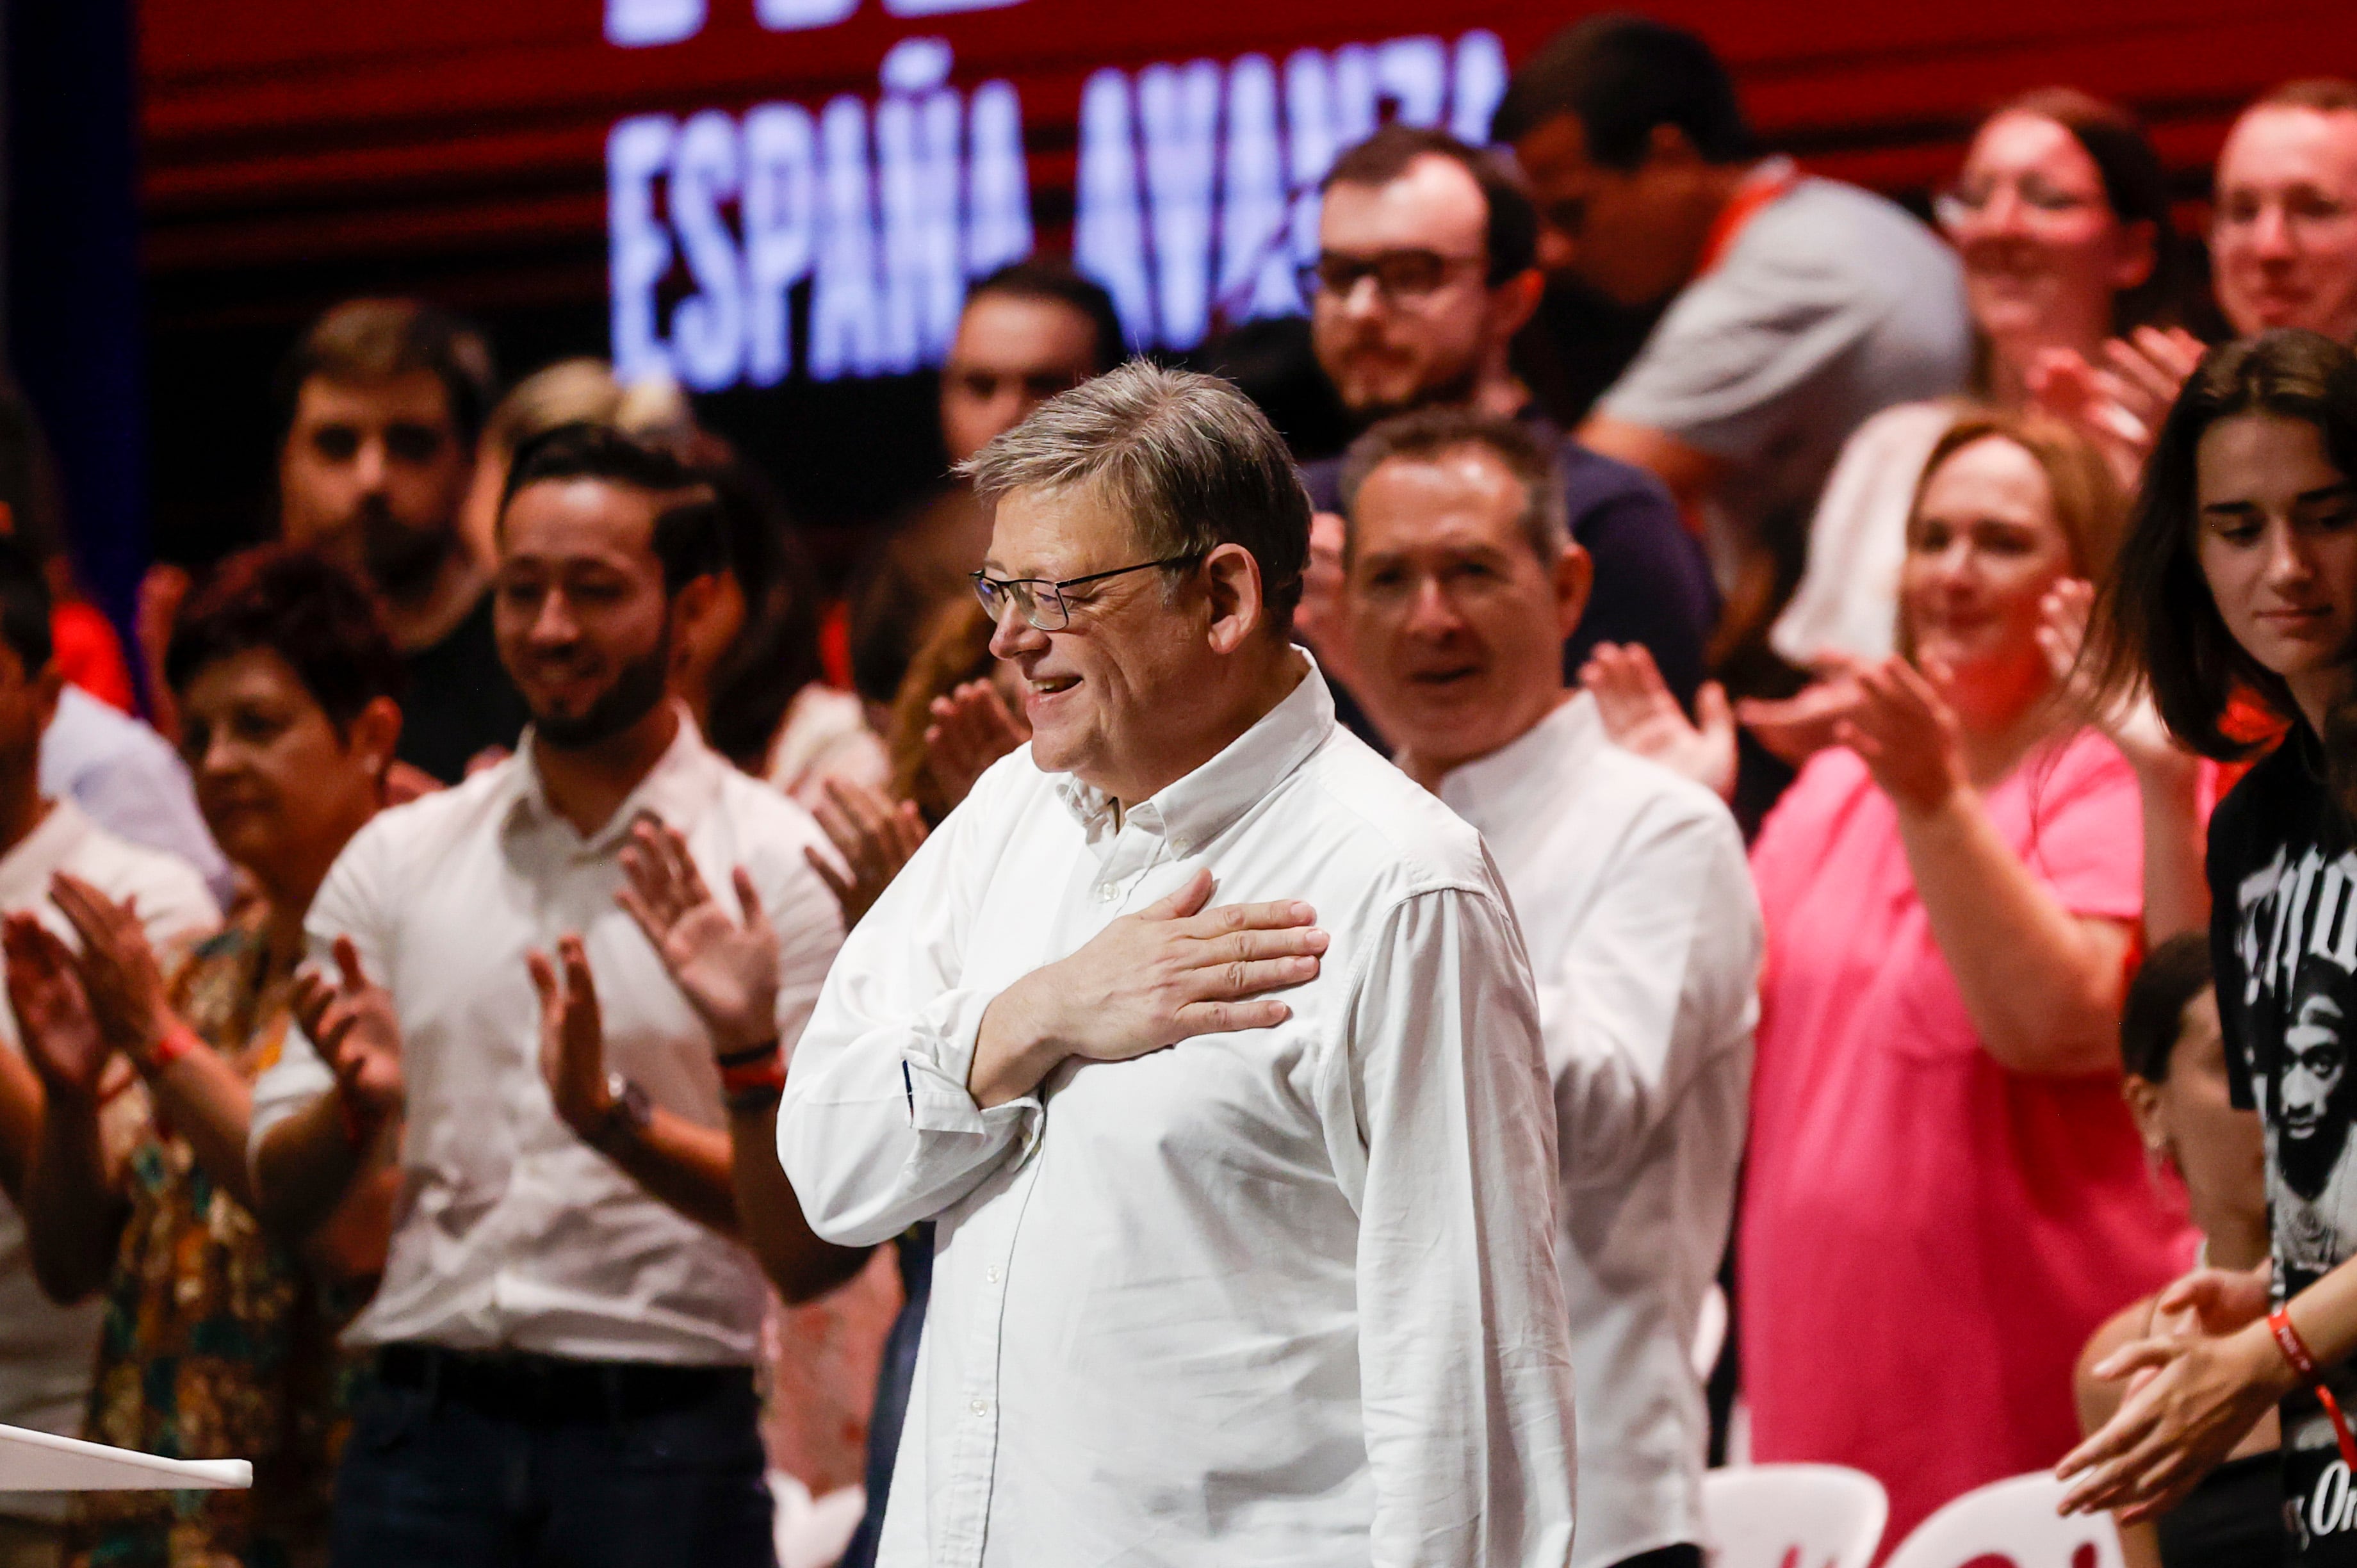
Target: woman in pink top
(1945, 1195)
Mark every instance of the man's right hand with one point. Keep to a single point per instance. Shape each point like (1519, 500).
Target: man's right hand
(1171, 972)
(350, 1019)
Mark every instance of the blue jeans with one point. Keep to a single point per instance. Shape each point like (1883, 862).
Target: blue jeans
(895, 1378)
(430, 1478)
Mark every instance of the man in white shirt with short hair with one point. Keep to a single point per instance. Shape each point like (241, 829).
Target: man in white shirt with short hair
(1635, 901)
(566, 1328)
(48, 1352)
(1209, 1043)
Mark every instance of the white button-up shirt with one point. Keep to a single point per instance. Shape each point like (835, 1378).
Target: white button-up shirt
(511, 1232)
(1283, 1296)
(1636, 902)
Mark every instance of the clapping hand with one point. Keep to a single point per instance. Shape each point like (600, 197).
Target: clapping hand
(1640, 715)
(2129, 721)
(1795, 728)
(350, 1019)
(572, 1037)
(1908, 734)
(971, 729)
(2119, 404)
(63, 1041)
(2194, 1390)
(117, 968)
(875, 835)
(727, 971)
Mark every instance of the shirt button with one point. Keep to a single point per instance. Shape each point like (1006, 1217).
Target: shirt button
(991, 1273)
(980, 1407)
(1108, 893)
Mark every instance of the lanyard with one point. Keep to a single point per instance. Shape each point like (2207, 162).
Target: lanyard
(1768, 180)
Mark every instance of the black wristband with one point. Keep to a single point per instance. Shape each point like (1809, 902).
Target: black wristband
(749, 1055)
(753, 1102)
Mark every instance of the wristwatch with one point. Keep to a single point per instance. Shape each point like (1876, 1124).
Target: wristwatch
(627, 1113)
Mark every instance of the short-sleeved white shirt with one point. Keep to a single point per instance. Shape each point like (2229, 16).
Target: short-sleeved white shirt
(513, 1233)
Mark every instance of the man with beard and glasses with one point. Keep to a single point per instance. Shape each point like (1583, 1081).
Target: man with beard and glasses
(564, 1332)
(1427, 266)
(2318, 1203)
(380, 406)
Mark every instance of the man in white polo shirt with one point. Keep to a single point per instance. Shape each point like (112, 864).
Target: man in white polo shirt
(566, 1328)
(1637, 905)
(47, 1352)
(1207, 1041)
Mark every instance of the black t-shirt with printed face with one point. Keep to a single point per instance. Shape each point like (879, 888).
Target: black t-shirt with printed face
(2283, 934)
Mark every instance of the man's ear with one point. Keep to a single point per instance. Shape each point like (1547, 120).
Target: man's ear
(1668, 147)
(1575, 575)
(1239, 608)
(693, 611)
(1513, 302)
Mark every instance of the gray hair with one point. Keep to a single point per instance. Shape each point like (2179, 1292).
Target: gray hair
(1187, 458)
(1425, 435)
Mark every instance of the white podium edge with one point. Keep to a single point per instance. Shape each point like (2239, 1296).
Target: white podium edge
(170, 1474)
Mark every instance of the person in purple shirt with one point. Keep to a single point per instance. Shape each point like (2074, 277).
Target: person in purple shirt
(1426, 268)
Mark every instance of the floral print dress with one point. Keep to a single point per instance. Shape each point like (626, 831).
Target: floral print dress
(218, 1341)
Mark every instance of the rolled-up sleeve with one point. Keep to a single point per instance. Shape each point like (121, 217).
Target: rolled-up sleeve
(1464, 1351)
(877, 1130)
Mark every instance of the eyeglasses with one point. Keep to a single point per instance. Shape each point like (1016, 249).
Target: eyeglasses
(1409, 277)
(1041, 601)
(1960, 204)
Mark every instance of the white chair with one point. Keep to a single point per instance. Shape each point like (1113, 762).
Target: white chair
(1710, 1333)
(2014, 1519)
(1792, 1516)
(812, 1532)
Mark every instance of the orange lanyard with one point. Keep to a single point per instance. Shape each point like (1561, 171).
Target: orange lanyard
(1768, 182)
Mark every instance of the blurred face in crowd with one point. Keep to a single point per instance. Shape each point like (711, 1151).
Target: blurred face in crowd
(372, 473)
(2277, 537)
(2190, 1118)
(1122, 693)
(281, 787)
(583, 621)
(1982, 549)
(1457, 623)
(1012, 353)
(1402, 313)
(1636, 235)
(2283, 236)
(2043, 251)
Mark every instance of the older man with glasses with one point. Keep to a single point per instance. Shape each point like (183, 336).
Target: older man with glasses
(1426, 269)
(1245, 1206)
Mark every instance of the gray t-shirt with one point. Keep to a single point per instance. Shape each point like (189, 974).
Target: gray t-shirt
(1830, 305)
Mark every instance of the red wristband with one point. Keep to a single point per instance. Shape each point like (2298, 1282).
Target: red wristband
(767, 1071)
(177, 1042)
(2303, 1364)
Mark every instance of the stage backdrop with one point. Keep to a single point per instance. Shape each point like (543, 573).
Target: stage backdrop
(778, 201)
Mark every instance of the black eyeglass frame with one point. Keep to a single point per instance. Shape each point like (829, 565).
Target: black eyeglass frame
(985, 585)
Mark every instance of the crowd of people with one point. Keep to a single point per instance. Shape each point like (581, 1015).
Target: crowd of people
(1222, 1002)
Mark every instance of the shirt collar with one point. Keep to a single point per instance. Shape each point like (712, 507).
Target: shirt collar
(676, 790)
(1535, 768)
(1196, 808)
